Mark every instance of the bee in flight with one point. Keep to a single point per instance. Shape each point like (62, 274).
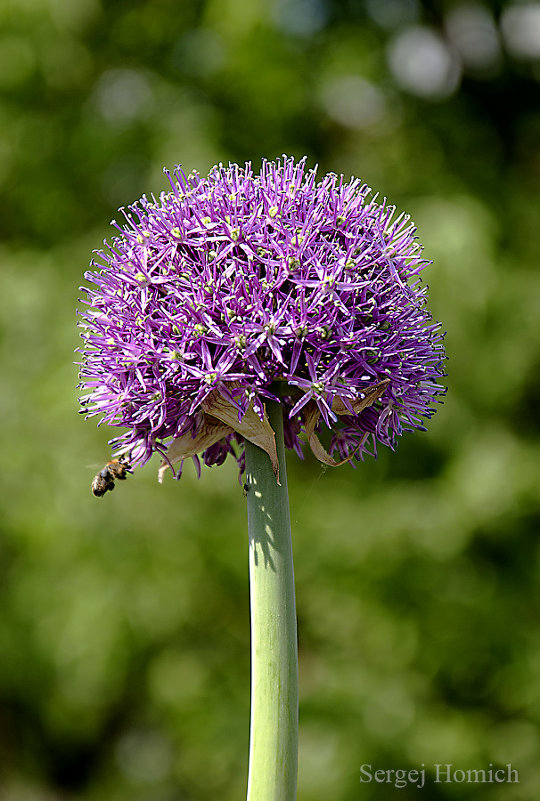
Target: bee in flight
(116, 469)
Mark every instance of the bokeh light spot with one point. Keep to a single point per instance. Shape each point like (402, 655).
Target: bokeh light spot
(123, 95)
(520, 25)
(472, 31)
(423, 64)
(352, 101)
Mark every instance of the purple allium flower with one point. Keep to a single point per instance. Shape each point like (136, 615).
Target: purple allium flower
(240, 287)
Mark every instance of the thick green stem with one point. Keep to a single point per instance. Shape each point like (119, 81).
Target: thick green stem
(273, 753)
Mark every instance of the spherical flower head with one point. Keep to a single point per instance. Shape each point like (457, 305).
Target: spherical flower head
(240, 287)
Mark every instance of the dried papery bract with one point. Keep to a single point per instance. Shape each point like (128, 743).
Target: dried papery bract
(312, 414)
(219, 420)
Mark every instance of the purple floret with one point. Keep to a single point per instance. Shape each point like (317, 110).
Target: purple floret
(247, 282)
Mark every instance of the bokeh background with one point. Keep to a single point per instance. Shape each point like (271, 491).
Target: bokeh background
(124, 629)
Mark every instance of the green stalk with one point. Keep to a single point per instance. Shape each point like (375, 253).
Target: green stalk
(273, 753)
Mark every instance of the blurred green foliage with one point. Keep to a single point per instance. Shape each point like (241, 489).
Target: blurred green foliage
(124, 636)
